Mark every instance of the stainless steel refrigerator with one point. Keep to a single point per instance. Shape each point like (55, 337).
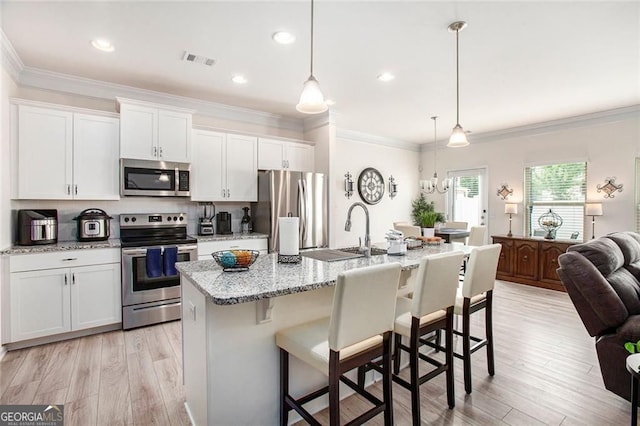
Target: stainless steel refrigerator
(283, 193)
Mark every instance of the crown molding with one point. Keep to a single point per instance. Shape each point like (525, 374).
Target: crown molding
(584, 120)
(317, 121)
(10, 59)
(356, 136)
(50, 80)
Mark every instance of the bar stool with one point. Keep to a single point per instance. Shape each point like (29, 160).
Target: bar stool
(431, 309)
(476, 293)
(359, 330)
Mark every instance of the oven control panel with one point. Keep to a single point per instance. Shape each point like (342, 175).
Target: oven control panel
(152, 219)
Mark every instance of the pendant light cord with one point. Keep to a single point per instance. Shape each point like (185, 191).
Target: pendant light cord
(311, 37)
(435, 141)
(457, 79)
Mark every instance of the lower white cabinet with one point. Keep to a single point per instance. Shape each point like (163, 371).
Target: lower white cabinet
(205, 248)
(45, 301)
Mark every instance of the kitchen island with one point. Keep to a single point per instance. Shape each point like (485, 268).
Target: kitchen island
(229, 319)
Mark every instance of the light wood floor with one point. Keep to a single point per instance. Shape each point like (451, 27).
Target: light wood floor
(546, 373)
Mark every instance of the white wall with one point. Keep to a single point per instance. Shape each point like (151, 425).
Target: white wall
(609, 147)
(355, 156)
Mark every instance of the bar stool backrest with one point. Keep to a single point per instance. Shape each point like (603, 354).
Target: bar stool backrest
(480, 275)
(364, 304)
(437, 283)
(408, 230)
(476, 236)
(456, 225)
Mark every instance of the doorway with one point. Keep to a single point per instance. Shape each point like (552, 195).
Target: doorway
(467, 199)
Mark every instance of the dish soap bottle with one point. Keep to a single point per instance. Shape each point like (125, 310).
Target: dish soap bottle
(245, 223)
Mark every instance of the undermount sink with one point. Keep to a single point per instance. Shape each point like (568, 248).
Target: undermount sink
(333, 255)
(374, 250)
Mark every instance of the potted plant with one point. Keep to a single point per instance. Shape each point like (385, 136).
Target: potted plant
(425, 216)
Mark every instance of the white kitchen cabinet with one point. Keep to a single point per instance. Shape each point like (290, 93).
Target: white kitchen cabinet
(224, 167)
(275, 154)
(154, 132)
(64, 155)
(59, 292)
(205, 248)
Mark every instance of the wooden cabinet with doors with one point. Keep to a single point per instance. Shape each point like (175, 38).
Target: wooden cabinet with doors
(154, 132)
(276, 154)
(531, 261)
(65, 153)
(61, 292)
(224, 167)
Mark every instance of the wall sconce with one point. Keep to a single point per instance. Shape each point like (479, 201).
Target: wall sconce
(504, 191)
(593, 210)
(609, 187)
(510, 209)
(393, 187)
(348, 185)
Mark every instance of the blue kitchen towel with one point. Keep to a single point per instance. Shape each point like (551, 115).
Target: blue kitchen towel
(170, 259)
(154, 262)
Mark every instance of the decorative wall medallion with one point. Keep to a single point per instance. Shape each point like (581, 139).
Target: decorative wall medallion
(504, 191)
(371, 185)
(609, 187)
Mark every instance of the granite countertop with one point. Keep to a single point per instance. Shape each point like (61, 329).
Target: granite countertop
(268, 278)
(62, 246)
(234, 236)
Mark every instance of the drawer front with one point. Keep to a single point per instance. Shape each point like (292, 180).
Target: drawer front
(206, 248)
(63, 259)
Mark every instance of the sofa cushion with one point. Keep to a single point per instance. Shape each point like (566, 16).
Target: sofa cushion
(629, 243)
(597, 303)
(603, 253)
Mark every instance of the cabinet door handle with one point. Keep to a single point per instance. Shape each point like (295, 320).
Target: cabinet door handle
(68, 189)
(160, 152)
(76, 189)
(73, 279)
(155, 151)
(68, 259)
(224, 193)
(228, 193)
(65, 279)
(284, 164)
(525, 258)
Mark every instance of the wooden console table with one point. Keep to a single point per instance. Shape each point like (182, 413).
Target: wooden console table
(531, 261)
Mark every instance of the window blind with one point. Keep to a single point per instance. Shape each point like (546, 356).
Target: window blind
(560, 188)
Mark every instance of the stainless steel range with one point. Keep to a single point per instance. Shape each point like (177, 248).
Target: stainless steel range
(151, 244)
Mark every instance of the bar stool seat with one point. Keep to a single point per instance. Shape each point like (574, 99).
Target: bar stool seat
(358, 331)
(403, 321)
(309, 342)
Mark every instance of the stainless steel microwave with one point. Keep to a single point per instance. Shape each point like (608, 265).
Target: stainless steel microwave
(154, 178)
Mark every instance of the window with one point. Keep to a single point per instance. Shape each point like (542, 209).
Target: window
(560, 188)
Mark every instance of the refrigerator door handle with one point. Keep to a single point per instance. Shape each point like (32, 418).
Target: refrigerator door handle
(302, 206)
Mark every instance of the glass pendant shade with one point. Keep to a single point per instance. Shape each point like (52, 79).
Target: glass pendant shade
(311, 98)
(458, 138)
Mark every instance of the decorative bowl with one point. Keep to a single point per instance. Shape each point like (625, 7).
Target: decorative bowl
(235, 260)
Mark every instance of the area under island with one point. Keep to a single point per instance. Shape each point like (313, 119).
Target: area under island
(229, 319)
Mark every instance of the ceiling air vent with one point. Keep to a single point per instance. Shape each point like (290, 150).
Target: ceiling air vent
(191, 57)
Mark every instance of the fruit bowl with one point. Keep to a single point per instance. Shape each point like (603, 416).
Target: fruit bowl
(235, 260)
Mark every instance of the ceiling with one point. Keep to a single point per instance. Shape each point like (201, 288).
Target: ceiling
(520, 62)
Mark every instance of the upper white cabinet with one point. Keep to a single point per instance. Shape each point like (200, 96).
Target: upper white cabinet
(64, 155)
(224, 167)
(154, 132)
(275, 154)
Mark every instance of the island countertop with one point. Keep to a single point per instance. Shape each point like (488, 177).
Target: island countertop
(267, 278)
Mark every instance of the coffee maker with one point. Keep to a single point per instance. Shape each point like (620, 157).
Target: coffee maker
(205, 226)
(223, 223)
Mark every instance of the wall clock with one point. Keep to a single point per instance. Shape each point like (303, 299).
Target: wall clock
(371, 185)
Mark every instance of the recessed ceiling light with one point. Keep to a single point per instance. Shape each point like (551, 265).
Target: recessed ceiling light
(386, 76)
(330, 102)
(103, 44)
(283, 37)
(239, 79)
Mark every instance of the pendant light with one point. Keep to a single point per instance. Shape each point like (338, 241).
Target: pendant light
(311, 98)
(430, 186)
(458, 137)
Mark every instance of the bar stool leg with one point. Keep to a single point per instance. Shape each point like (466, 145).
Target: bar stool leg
(466, 345)
(386, 381)
(634, 401)
(489, 333)
(334, 389)
(284, 387)
(451, 398)
(397, 340)
(414, 372)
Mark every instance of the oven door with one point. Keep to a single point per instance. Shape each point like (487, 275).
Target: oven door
(137, 284)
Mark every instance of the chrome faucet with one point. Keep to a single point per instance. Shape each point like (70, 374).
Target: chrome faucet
(367, 238)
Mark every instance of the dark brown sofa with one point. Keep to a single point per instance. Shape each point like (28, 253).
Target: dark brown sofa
(602, 278)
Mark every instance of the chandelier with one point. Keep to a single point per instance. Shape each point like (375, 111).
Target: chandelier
(432, 185)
